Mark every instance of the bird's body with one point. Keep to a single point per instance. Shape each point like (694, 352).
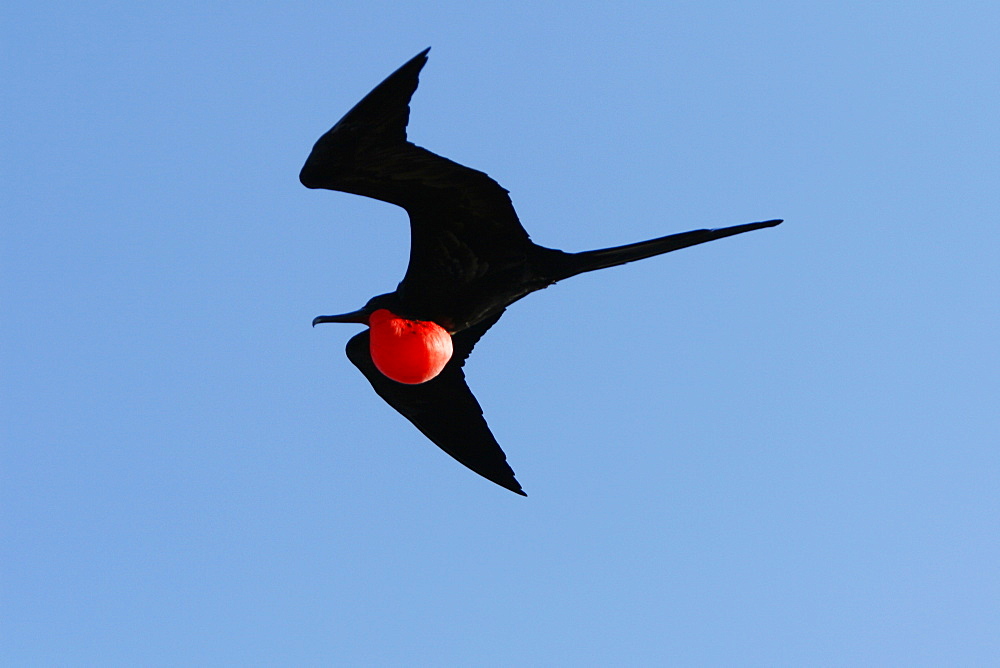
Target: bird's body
(470, 258)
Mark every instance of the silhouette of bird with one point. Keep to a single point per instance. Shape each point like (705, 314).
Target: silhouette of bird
(470, 259)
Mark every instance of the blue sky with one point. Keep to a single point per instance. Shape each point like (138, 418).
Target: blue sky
(775, 449)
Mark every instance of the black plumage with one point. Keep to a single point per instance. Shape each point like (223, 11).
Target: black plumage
(470, 258)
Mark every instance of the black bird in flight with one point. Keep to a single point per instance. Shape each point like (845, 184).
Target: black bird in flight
(470, 259)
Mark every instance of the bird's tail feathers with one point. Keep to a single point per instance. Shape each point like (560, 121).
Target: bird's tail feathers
(578, 263)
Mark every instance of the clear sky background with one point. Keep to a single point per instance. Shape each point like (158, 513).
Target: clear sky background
(777, 449)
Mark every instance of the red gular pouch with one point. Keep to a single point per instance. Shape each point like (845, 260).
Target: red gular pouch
(408, 351)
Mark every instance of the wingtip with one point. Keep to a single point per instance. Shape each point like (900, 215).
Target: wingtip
(514, 486)
(509, 483)
(420, 58)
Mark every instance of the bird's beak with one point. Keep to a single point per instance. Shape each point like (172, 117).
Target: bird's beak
(359, 316)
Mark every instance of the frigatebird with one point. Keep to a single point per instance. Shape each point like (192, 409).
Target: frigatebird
(470, 259)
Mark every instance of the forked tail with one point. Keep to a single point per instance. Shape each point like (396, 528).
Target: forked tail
(578, 263)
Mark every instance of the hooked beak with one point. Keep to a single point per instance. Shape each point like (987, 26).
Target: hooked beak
(359, 316)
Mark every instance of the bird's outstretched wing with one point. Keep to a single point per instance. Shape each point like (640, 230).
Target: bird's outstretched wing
(463, 226)
(444, 408)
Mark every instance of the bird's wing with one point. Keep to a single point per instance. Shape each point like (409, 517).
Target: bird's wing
(444, 408)
(462, 223)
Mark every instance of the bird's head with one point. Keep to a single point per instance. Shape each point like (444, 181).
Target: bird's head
(407, 351)
(362, 315)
